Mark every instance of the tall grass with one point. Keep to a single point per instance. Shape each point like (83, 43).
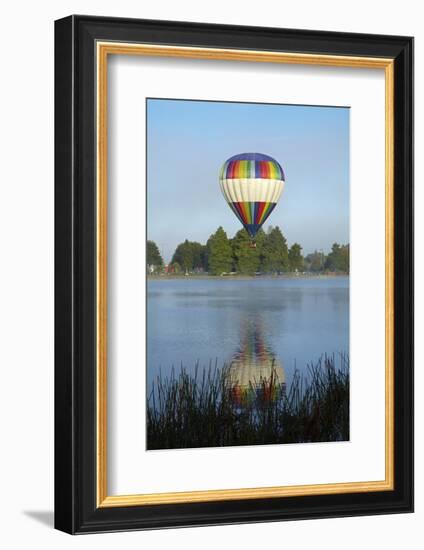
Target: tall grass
(188, 410)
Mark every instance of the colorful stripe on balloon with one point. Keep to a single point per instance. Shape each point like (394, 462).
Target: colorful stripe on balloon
(252, 213)
(251, 169)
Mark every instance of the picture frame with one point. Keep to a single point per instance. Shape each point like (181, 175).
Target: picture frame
(83, 45)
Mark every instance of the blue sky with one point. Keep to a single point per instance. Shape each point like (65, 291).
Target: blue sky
(188, 141)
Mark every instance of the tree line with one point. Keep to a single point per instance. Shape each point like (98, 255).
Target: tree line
(221, 254)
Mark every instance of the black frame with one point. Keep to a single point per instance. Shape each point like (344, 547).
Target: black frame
(75, 274)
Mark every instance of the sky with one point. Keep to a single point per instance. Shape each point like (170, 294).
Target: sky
(188, 141)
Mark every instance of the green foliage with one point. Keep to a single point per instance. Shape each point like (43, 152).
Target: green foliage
(295, 257)
(189, 410)
(183, 255)
(338, 259)
(175, 268)
(199, 255)
(153, 258)
(247, 260)
(315, 262)
(275, 256)
(219, 254)
(271, 255)
(190, 255)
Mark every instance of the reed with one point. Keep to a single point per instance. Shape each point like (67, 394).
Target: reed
(201, 409)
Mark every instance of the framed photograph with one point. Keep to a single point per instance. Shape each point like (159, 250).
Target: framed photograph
(234, 274)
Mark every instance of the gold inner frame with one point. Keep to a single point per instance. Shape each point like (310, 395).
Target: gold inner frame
(104, 49)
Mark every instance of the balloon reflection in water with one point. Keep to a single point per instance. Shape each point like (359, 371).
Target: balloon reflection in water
(255, 374)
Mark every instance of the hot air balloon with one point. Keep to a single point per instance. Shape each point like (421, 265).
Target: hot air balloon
(252, 184)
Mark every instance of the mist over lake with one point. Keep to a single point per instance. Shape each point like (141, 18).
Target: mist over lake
(292, 320)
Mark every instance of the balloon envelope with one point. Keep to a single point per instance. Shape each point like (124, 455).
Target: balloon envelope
(252, 184)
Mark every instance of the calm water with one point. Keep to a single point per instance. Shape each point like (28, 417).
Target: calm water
(293, 321)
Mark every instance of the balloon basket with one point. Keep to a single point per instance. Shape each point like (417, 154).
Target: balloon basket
(253, 244)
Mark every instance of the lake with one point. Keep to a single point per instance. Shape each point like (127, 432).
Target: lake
(291, 322)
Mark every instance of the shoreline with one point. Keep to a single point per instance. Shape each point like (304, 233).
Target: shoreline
(288, 276)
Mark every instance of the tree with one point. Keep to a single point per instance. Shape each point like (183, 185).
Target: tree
(275, 256)
(190, 255)
(219, 254)
(153, 258)
(295, 257)
(247, 259)
(315, 262)
(183, 256)
(199, 256)
(338, 259)
(174, 268)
